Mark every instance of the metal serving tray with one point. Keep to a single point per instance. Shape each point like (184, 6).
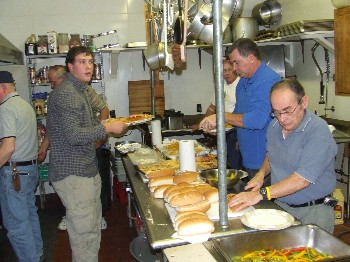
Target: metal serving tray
(296, 236)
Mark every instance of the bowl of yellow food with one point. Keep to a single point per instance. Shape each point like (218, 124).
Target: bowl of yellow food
(211, 176)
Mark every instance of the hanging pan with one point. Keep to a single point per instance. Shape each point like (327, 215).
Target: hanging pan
(178, 27)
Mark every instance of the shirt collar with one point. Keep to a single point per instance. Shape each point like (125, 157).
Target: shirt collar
(7, 97)
(302, 126)
(78, 84)
(256, 73)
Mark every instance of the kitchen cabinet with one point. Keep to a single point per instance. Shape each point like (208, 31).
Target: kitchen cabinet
(342, 51)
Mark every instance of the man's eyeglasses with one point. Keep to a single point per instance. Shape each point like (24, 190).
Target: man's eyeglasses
(284, 112)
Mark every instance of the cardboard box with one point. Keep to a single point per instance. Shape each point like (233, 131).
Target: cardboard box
(52, 42)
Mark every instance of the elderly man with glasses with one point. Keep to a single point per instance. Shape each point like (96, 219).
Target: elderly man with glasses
(300, 157)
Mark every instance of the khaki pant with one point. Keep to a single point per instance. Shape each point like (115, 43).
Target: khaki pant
(81, 198)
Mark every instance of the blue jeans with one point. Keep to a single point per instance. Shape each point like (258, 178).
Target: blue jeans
(19, 213)
(234, 158)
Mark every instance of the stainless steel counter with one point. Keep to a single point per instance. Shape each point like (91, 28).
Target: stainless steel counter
(156, 219)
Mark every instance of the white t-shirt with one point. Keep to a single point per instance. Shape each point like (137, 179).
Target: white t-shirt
(230, 95)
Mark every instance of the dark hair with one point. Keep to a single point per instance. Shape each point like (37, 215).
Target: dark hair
(77, 50)
(245, 47)
(292, 84)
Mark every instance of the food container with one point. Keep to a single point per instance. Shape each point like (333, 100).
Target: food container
(174, 122)
(292, 237)
(211, 176)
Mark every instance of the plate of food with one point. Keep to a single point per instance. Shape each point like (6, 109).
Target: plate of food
(133, 120)
(214, 131)
(267, 219)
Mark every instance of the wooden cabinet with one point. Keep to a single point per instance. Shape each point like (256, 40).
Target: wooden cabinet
(342, 50)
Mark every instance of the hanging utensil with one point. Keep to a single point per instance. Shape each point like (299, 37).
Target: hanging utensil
(183, 56)
(178, 27)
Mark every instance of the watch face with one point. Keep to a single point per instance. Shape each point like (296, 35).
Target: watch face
(263, 191)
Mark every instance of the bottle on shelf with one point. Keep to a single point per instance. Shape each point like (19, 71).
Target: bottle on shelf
(42, 45)
(339, 208)
(74, 40)
(31, 45)
(63, 43)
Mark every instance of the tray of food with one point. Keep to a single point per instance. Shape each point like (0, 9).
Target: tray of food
(127, 146)
(306, 242)
(133, 120)
(170, 148)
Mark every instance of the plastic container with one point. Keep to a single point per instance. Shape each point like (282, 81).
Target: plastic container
(63, 43)
(339, 208)
(74, 40)
(42, 45)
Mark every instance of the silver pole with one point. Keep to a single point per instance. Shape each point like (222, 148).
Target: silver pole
(153, 74)
(220, 111)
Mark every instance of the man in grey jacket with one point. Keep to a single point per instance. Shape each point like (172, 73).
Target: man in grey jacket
(73, 130)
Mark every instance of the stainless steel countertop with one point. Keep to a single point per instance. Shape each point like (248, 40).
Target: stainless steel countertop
(156, 219)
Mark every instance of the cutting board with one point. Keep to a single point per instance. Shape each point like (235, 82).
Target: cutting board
(193, 253)
(140, 97)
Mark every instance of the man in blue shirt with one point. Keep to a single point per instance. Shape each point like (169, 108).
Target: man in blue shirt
(300, 157)
(252, 112)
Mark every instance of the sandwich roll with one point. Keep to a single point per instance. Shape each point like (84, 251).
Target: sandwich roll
(202, 206)
(184, 199)
(179, 191)
(182, 214)
(174, 187)
(152, 188)
(196, 226)
(190, 216)
(158, 181)
(188, 176)
(160, 173)
(212, 196)
(203, 187)
(159, 190)
(231, 209)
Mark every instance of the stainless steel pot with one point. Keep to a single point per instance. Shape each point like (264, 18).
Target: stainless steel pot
(244, 27)
(155, 55)
(201, 27)
(268, 12)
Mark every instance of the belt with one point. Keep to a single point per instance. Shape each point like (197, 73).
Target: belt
(22, 163)
(311, 203)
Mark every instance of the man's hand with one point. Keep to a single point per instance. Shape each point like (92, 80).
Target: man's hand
(256, 182)
(244, 200)
(116, 127)
(208, 123)
(41, 156)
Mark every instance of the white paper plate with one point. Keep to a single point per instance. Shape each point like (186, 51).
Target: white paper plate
(267, 219)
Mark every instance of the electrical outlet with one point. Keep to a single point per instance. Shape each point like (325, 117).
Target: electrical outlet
(199, 108)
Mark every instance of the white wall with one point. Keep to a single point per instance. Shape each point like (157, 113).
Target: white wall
(192, 86)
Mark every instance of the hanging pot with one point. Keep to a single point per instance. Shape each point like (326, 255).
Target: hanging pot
(244, 27)
(155, 55)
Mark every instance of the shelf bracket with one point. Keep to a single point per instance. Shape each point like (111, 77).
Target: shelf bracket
(319, 38)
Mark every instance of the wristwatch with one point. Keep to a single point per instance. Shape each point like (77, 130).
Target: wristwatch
(263, 192)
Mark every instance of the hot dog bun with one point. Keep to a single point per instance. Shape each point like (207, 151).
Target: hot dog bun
(179, 191)
(158, 181)
(212, 196)
(182, 214)
(195, 226)
(202, 206)
(189, 216)
(187, 198)
(174, 187)
(159, 190)
(159, 173)
(188, 176)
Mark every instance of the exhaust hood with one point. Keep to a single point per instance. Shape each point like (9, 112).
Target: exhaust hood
(9, 54)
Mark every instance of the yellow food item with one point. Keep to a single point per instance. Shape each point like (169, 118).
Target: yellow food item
(304, 254)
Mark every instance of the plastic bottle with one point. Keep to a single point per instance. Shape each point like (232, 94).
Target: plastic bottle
(339, 208)
(63, 43)
(31, 45)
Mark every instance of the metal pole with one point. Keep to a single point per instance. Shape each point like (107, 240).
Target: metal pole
(220, 111)
(153, 100)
